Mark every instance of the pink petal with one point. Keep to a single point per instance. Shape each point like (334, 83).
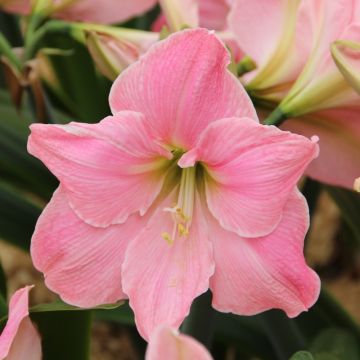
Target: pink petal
(213, 14)
(166, 343)
(268, 32)
(102, 167)
(81, 263)
(110, 11)
(249, 181)
(339, 134)
(162, 279)
(19, 339)
(258, 26)
(181, 85)
(321, 85)
(22, 7)
(27, 343)
(254, 275)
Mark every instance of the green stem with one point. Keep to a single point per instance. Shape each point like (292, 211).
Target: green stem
(200, 323)
(246, 65)
(35, 22)
(51, 27)
(277, 117)
(6, 50)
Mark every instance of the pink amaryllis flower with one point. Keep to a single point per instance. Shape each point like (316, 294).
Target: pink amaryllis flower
(290, 42)
(180, 190)
(19, 339)
(320, 85)
(328, 104)
(110, 11)
(167, 343)
(270, 32)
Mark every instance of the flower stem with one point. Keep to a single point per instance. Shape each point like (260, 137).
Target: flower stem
(200, 322)
(51, 27)
(6, 50)
(246, 65)
(277, 117)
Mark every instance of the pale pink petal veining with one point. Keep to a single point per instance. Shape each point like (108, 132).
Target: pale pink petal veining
(162, 279)
(82, 263)
(103, 166)
(255, 275)
(249, 178)
(180, 95)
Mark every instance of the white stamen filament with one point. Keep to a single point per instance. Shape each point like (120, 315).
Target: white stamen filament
(182, 212)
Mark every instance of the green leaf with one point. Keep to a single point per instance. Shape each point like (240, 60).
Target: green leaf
(302, 355)
(326, 356)
(122, 315)
(59, 305)
(64, 334)
(3, 286)
(349, 204)
(87, 92)
(244, 332)
(339, 343)
(10, 28)
(16, 164)
(18, 217)
(65, 329)
(3, 293)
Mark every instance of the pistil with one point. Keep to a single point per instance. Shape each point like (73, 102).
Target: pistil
(182, 212)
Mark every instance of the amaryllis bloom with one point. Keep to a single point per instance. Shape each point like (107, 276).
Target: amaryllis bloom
(166, 343)
(110, 11)
(321, 86)
(270, 32)
(180, 190)
(19, 339)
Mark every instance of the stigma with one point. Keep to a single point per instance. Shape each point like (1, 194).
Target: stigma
(182, 212)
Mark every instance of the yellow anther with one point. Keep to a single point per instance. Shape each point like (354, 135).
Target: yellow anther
(183, 231)
(167, 238)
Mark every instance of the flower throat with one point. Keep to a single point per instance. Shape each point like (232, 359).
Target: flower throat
(182, 212)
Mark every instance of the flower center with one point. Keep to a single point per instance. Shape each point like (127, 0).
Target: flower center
(182, 212)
